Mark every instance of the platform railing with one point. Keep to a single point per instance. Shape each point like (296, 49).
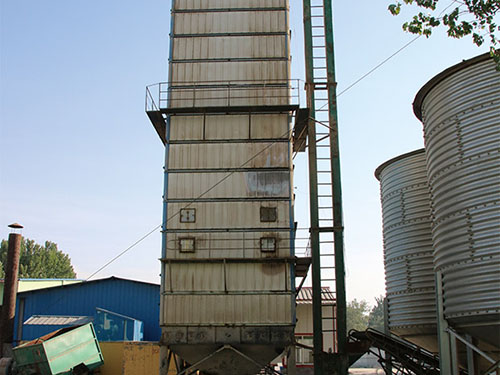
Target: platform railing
(222, 94)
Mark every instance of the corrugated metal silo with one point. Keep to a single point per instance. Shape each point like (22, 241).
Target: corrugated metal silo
(408, 260)
(460, 110)
(227, 279)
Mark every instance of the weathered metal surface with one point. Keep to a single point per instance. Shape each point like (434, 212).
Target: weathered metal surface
(254, 184)
(460, 112)
(229, 4)
(212, 244)
(230, 71)
(229, 155)
(408, 258)
(226, 264)
(229, 127)
(243, 215)
(224, 22)
(59, 352)
(237, 47)
(132, 358)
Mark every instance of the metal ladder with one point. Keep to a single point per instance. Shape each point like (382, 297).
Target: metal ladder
(324, 167)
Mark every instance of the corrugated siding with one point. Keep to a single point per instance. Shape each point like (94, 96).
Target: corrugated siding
(134, 299)
(229, 214)
(228, 245)
(230, 71)
(253, 184)
(229, 155)
(236, 47)
(228, 4)
(267, 309)
(408, 251)
(229, 127)
(462, 137)
(229, 22)
(231, 277)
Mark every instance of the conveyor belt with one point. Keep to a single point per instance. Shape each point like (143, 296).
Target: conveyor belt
(401, 355)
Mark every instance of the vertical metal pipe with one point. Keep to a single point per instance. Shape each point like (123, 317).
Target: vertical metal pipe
(10, 291)
(313, 194)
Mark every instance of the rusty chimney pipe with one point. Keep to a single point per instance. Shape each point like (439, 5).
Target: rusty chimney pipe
(10, 290)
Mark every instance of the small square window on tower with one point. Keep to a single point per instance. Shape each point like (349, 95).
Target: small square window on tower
(268, 244)
(187, 245)
(268, 214)
(188, 215)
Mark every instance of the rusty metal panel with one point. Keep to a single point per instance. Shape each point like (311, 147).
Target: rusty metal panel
(234, 47)
(229, 155)
(229, 309)
(256, 184)
(228, 4)
(236, 22)
(244, 215)
(460, 113)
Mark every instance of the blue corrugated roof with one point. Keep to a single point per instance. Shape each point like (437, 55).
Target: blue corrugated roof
(136, 299)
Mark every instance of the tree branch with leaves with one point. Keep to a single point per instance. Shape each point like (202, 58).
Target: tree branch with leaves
(462, 18)
(39, 262)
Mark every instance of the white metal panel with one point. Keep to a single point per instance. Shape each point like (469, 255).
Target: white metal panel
(264, 46)
(258, 277)
(227, 127)
(229, 155)
(230, 71)
(228, 245)
(228, 4)
(229, 277)
(236, 22)
(227, 309)
(186, 127)
(226, 93)
(262, 184)
(261, 128)
(219, 215)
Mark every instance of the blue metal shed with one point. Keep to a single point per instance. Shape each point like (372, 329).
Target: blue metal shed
(136, 299)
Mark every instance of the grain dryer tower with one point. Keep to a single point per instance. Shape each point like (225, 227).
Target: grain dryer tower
(228, 293)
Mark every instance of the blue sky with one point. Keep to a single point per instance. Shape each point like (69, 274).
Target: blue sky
(81, 165)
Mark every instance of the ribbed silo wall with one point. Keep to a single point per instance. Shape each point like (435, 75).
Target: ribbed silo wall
(460, 111)
(408, 261)
(228, 167)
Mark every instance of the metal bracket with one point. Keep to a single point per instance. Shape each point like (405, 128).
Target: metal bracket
(472, 346)
(224, 347)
